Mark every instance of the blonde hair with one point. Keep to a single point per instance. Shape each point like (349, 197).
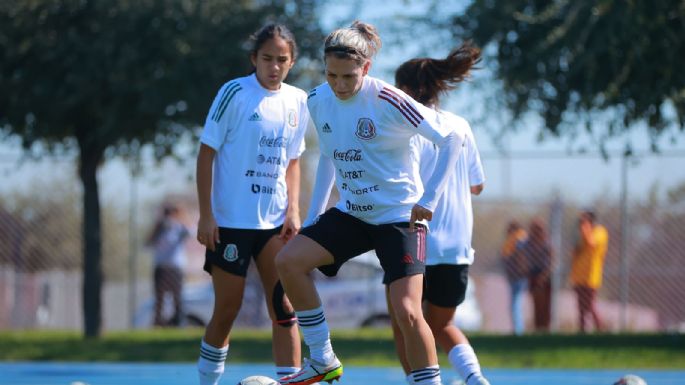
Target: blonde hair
(359, 42)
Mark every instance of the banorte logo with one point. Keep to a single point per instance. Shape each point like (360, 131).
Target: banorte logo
(351, 155)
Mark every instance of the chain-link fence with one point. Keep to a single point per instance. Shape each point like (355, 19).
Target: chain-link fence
(41, 249)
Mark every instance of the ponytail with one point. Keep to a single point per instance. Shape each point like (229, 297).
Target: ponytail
(425, 79)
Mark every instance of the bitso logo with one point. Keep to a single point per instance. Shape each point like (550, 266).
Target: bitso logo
(365, 129)
(231, 253)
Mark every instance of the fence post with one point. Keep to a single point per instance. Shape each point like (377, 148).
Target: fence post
(555, 231)
(134, 164)
(624, 279)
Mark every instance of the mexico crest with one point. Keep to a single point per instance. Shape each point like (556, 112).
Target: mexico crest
(292, 118)
(231, 253)
(365, 129)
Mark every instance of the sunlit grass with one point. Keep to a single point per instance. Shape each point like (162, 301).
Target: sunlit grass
(364, 347)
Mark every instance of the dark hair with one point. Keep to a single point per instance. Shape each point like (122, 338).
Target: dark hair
(589, 214)
(424, 79)
(537, 231)
(513, 226)
(270, 31)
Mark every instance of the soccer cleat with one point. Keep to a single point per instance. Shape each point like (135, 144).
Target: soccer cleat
(313, 372)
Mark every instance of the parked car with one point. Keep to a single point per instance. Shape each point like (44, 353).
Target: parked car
(354, 298)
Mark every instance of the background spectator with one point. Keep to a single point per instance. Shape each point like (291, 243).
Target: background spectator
(167, 239)
(515, 266)
(538, 253)
(587, 265)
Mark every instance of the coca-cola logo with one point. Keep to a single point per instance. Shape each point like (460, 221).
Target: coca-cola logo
(279, 141)
(351, 155)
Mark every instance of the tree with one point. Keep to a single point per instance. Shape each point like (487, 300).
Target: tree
(573, 61)
(106, 77)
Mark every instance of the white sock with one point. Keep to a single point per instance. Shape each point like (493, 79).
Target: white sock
(282, 371)
(316, 334)
(427, 376)
(210, 366)
(464, 360)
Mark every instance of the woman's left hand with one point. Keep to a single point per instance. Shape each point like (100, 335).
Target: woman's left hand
(419, 213)
(291, 226)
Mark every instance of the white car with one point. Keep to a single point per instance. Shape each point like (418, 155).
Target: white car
(354, 298)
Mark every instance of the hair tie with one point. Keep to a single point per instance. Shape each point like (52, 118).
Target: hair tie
(342, 49)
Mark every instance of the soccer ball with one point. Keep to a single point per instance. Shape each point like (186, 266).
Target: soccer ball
(258, 380)
(630, 379)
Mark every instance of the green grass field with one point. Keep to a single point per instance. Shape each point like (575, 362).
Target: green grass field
(368, 347)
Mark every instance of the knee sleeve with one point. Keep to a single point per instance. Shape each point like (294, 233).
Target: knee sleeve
(283, 318)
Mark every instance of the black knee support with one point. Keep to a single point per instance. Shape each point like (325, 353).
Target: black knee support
(283, 317)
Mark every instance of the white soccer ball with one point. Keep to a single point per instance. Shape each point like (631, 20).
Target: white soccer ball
(630, 379)
(258, 380)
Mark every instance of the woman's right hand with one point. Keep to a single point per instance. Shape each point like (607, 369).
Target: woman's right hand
(208, 232)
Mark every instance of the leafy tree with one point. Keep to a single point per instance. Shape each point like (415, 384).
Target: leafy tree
(573, 61)
(106, 77)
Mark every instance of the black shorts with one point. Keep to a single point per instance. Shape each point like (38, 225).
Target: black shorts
(237, 248)
(445, 285)
(401, 253)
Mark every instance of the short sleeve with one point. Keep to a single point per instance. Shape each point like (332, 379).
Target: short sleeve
(217, 122)
(476, 173)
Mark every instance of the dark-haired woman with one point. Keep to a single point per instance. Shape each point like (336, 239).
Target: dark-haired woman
(449, 253)
(248, 178)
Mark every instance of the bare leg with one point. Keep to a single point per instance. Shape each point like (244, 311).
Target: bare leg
(286, 339)
(440, 320)
(405, 297)
(228, 296)
(592, 308)
(582, 307)
(294, 262)
(397, 335)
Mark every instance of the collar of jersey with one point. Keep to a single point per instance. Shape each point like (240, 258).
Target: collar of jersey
(257, 85)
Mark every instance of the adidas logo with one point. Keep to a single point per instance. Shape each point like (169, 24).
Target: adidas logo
(326, 128)
(255, 118)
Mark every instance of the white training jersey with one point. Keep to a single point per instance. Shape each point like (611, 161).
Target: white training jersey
(451, 229)
(255, 132)
(367, 139)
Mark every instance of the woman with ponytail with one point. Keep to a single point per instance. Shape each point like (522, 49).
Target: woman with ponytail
(365, 127)
(449, 252)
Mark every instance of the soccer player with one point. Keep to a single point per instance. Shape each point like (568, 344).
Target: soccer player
(248, 178)
(364, 127)
(449, 253)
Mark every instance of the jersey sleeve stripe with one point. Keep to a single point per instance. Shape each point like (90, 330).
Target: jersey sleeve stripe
(400, 107)
(404, 103)
(392, 102)
(223, 97)
(312, 93)
(228, 94)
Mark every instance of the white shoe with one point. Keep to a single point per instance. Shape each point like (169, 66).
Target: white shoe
(313, 372)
